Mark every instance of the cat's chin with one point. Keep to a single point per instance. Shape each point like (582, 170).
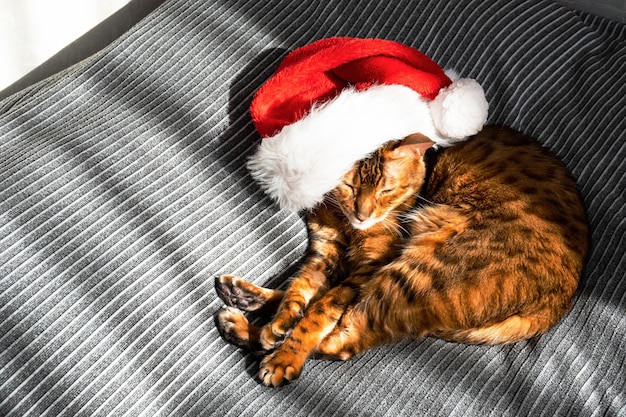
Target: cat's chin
(364, 225)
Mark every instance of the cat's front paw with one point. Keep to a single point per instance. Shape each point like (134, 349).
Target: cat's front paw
(279, 367)
(274, 334)
(238, 293)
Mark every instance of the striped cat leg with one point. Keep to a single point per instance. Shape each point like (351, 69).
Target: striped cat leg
(287, 361)
(390, 308)
(307, 286)
(327, 246)
(238, 293)
(351, 336)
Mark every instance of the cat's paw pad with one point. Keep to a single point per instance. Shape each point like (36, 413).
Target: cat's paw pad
(233, 326)
(238, 293)
(279, 368)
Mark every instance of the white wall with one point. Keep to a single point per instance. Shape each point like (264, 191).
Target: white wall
(32, 31)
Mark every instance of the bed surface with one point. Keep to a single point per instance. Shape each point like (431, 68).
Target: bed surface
(123, 192)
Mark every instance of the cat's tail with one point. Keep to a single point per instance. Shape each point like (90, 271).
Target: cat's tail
(510, 330)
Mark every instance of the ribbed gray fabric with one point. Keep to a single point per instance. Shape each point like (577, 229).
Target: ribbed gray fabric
(123, 192)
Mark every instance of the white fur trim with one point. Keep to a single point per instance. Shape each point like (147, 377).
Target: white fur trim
(460, 110)
(452, 74)
(308, 158)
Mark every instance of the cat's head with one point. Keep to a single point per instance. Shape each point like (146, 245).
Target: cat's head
(381, 183)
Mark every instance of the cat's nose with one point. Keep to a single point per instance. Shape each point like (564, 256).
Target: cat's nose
(363, 209)
(362, 216)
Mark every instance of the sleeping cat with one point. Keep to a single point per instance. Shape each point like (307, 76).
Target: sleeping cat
(487, 247)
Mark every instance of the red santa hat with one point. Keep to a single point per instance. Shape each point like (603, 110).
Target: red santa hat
(334, 101)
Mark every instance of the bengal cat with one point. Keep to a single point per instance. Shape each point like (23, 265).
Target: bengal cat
(490, 252)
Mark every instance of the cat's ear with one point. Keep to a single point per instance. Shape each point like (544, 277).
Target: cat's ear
(414, 145)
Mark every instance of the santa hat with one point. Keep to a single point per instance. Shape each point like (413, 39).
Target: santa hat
(334, 101)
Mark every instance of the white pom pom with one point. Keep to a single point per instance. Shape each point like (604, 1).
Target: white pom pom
(460, 110)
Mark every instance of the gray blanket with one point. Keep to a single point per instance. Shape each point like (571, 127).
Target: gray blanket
(123, 192)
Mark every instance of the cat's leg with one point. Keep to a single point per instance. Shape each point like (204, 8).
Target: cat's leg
(339, 325)
(289, 305)
(238, 293)
(352, 335)
(287, 361)
(326, 250)
(390, 308)
(302, 290)
(386, 313)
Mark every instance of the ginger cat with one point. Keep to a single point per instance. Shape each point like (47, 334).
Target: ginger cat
(490, 252)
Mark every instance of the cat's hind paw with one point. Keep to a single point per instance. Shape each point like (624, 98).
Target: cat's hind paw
(238, 293)
(233, 326)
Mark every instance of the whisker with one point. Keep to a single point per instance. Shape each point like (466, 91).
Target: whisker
(422, 198)
(402, 229)
(332, 200)
(394, 226)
